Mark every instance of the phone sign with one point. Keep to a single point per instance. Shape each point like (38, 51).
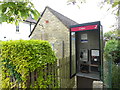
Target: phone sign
(84, 38)
(83, 28)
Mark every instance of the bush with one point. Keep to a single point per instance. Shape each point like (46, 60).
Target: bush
(21, 57)
(115, 76)
(112, 52)
(112, 48)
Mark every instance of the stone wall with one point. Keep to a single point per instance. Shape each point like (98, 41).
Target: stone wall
(50, 28)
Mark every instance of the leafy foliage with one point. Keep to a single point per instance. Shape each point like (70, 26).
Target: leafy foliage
(114, 3)
(115, 77)
(21, 57)
(16, 11)
(112, 48)
(75, 1)
(112, 52)
(111, 34)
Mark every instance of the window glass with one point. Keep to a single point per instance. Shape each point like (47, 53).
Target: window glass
(17, 28)
(73, 54)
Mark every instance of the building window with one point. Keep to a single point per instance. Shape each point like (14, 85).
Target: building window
(17, 28)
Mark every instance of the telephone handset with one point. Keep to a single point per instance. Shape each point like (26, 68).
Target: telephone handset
(84, 55)
(83, 60)
(81, 54)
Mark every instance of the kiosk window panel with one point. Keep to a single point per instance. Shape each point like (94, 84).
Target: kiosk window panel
(73, 55)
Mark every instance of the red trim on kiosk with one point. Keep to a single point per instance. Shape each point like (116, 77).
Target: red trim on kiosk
(83, 28)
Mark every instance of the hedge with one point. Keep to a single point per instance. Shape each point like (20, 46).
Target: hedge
(112, 52)
(112, 48)
(20, 57)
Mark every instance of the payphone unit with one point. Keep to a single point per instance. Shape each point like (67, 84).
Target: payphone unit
(84, 55)
(87, 50)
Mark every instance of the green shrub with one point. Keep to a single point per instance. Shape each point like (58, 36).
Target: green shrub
(112, 48)
(113, 34)
(21, 57)
(115, 77)
(112, 52)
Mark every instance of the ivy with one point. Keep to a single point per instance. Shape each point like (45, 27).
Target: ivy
(19, 58)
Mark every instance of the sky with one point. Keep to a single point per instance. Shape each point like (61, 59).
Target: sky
(81, 13)
(86, 12)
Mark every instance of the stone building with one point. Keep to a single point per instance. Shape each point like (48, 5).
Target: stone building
(54, 27)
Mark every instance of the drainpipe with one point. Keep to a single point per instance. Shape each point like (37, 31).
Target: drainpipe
(30, 26)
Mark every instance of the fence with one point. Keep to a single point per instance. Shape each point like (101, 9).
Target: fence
(63, 64)
(111, 74)
(107, 74)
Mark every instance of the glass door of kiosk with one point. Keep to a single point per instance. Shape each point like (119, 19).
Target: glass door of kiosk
(86, 50)
(73, 63)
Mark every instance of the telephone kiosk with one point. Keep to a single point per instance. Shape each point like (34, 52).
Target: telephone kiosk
(86, 51)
